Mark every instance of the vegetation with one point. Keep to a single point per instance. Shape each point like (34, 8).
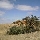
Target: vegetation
(32, 25)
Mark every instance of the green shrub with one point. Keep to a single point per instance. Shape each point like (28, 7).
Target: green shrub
(20, 30)
(15, 30)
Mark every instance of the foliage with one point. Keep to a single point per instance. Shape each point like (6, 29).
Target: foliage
(20, 30)
(31, 26)
(32, 21)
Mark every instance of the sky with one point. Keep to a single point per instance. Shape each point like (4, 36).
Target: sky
(12, 10)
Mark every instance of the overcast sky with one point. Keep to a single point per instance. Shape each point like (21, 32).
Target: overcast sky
(12, 10)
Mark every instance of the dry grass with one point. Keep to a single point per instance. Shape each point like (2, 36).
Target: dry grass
(3, 28)
(30, 36)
